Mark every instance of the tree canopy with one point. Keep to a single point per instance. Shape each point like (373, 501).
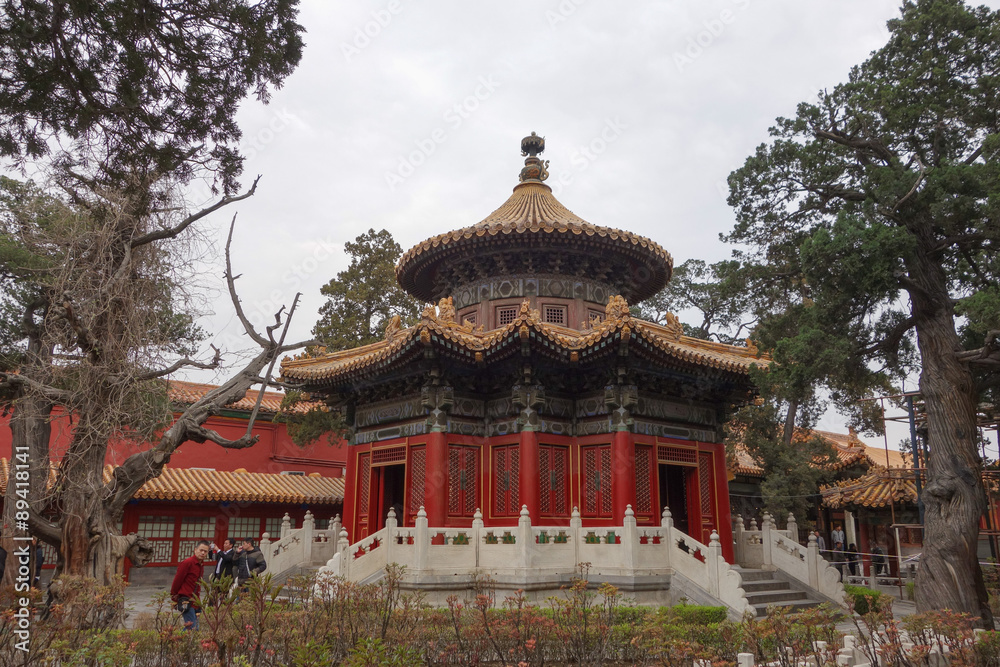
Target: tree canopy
(116, 104)
(873, 214)
(364, 297)
(141, 86)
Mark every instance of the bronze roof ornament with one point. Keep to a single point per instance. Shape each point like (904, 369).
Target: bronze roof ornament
(534, 169)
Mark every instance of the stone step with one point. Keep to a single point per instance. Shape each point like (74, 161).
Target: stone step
(766, 586)
(755, 575)
(756, 599)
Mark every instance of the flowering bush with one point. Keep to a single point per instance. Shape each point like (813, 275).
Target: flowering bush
(317, 622)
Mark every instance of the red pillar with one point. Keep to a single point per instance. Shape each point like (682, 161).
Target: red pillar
(436, 482)
(350, 518)
(623, 474)
(528, 474)
(724, 523)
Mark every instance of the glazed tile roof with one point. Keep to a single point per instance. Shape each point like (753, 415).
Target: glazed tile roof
(879, 487)
(189, 484)
(848, 449)
(186, 393)
(531, 217)
(481, 346)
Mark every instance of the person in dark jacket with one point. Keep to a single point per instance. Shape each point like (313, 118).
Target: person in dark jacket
(224, 558)
(249, 562)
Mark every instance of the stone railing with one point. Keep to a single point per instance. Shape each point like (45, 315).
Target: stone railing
(299, 547)
(772, 549)
(534, 555)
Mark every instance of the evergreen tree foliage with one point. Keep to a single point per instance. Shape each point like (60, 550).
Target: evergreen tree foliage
(873, 213)
(716, 292)
(364, 297)
(117, 104)
(139, 86)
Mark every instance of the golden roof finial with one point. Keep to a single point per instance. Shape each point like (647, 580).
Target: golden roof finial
(534, 169)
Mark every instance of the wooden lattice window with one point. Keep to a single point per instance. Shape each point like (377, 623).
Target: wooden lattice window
(553, 473)
(418, 475)
(463, 477)
(506, 469)
(159, 530)
(470, 318)
(677, 455)
(596, 480)
(644, 484)
(388, 455)
(506, 315)
(554, 315)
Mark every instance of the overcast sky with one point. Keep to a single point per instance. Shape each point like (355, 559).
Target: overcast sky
(408, 116)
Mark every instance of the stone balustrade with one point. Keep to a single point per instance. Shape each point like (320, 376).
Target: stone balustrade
(536, 557)
(772, 549)
(300, 547)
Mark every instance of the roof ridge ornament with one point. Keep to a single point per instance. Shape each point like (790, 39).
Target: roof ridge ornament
(534, 169)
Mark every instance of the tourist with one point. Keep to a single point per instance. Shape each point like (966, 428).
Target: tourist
(249, 562)
(837, 535)
(821, 543)
(853, 558)
(224, 559)
(880, 564)
(187, 584)
(839, 558)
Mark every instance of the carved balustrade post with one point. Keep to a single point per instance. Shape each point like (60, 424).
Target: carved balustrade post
(390, 536)
(286, 526)
(813, 561)
(525, 543)
(477, 532)
(767, 525)
(739, 537)
(575, 531)
(793, 528)
(308, 526)
(667, 523)
(712, 560)
(630, 540)
(421, 539)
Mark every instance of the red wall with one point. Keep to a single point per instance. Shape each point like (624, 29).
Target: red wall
(273, 453)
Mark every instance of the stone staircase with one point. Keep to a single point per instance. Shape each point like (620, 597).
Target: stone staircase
(763, 590)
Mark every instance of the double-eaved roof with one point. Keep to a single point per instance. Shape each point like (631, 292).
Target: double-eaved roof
(666, 344)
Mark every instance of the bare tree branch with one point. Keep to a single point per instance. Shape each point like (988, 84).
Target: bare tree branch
(182, 363)
(15, 380)
(231, 283)
(172, 232)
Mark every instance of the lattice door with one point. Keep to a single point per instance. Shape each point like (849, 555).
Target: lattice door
(418, 479)
(553, 475)
(365, 489)
(596, 481)
(644, 481)
(506, 471)
(705, 491)
(463, 478)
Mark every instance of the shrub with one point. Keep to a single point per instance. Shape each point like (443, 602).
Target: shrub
(865, 600)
